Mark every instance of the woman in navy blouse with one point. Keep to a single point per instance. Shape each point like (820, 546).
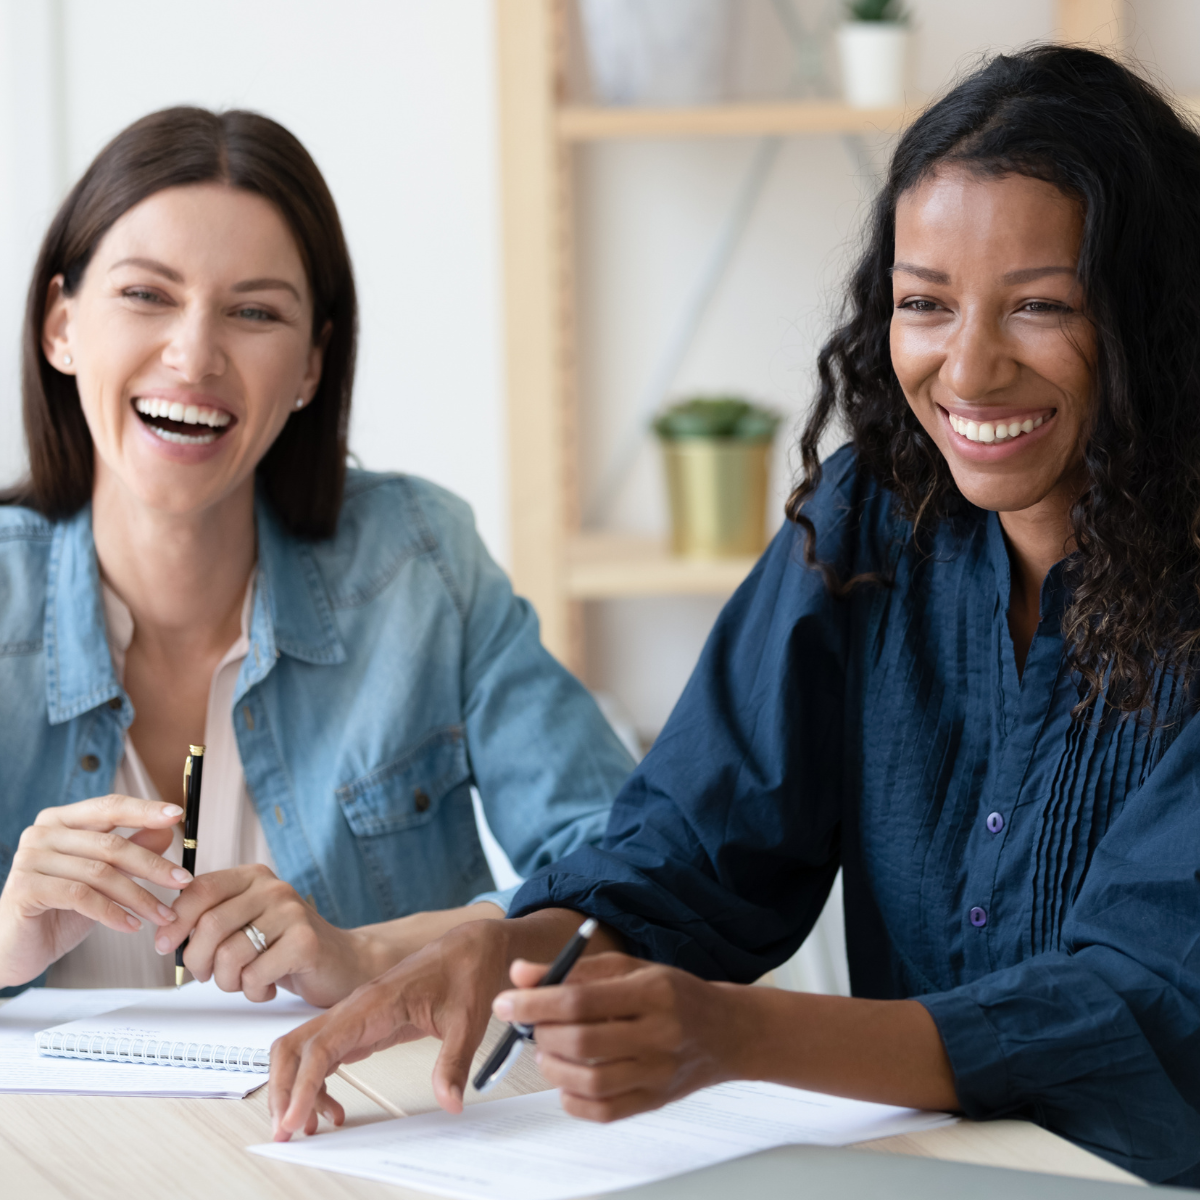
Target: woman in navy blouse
(964, 672)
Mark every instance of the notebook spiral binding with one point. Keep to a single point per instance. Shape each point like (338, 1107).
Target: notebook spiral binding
(142, 1052)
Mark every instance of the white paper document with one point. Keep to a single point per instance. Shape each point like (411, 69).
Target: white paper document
(527, 1148)
(23, 1069)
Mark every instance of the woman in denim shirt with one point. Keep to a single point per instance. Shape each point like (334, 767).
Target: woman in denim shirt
(190, 561)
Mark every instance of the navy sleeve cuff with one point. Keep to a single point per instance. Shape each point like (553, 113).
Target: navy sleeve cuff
(976, 1055)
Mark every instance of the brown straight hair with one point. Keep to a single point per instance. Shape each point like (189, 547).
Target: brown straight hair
(304, 471)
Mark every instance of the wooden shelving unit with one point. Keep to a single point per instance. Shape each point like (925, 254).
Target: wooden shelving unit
(589, 123)
(556, 565)
(604, 566)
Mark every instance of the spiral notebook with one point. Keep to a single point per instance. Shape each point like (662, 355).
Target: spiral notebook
(197, 1026)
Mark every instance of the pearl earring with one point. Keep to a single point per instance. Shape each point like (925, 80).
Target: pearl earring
(67, 360)
(299, 401)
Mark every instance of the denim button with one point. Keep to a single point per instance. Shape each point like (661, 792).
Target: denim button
(995, 822)
(89, 762)
(978, 917)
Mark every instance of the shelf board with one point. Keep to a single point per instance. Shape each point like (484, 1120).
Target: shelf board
(609, 565)
(585, 123)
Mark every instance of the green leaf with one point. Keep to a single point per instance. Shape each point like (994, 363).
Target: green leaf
(717, 417)
(875, 10)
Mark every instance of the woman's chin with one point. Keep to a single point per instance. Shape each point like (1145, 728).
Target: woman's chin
(162, 484)
(999, 493)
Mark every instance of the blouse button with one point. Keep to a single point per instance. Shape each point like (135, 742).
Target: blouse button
(115, 703)
(89, 762)
(995, 822)
(978, 917)
(421, 800)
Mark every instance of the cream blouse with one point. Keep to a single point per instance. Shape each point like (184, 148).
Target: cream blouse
(230, 832)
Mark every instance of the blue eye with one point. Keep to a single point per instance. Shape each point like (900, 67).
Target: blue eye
(256, 314)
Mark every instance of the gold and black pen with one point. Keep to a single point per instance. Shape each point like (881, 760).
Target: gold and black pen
(193, 769)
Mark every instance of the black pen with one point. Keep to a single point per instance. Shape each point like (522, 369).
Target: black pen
(193, 769)
(508, 1049)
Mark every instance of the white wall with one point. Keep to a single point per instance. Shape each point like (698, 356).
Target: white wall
(395, 103)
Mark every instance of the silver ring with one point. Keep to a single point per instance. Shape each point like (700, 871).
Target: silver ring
(257, 938)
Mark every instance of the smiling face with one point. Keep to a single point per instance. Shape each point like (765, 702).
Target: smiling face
(190, 336)
(988, 337)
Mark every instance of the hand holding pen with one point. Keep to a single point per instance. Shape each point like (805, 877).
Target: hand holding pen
(509, 1048)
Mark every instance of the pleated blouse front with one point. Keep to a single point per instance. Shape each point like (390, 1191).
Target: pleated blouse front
(1031, 877)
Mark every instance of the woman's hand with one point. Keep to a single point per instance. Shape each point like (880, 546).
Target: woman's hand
(443, 991)
(72, 870)
(304, 954)
(624, 1036)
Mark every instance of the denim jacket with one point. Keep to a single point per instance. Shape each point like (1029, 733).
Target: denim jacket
(390, 669)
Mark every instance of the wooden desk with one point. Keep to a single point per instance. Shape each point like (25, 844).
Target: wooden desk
(111, 1148)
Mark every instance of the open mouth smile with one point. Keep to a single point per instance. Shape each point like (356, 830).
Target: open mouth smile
(183, 424)
(994, 431)
(1006, 432)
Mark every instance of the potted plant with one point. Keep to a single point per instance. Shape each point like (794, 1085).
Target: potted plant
(872, 44)
(717, 455)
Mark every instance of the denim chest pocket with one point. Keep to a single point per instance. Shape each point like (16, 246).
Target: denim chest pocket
(414, 825)
(408, 792)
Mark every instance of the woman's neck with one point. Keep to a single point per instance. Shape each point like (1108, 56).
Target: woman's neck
(1036, 539)
(183, 576)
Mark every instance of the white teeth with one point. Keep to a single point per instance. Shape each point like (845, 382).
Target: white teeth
(190, 414)
(987, 432)
(184, 439)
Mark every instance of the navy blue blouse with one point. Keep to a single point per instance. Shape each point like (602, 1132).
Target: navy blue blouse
(1031, 878)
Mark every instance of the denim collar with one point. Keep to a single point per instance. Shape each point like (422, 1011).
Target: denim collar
(292, 615)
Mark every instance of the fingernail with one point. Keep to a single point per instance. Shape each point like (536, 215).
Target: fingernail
(134, 923)
(172, 810)
(181, 876)
(162, 945)
(167, 914)
(502, 1008)
(456, 1092)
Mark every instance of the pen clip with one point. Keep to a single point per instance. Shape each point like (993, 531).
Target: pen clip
(187, 778)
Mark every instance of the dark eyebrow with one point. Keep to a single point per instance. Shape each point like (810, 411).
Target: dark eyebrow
(925, 273)
(1031, 273)
(150, 264)
(266, 285)
(247, 285)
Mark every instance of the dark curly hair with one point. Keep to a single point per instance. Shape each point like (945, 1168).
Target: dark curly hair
(1107, 138)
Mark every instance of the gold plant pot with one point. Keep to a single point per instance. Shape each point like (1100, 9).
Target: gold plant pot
(718, 494)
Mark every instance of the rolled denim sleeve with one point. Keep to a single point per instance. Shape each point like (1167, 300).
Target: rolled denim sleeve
(546, 762)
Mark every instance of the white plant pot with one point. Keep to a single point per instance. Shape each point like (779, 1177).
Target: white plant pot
(668, 52)
(873, 56)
